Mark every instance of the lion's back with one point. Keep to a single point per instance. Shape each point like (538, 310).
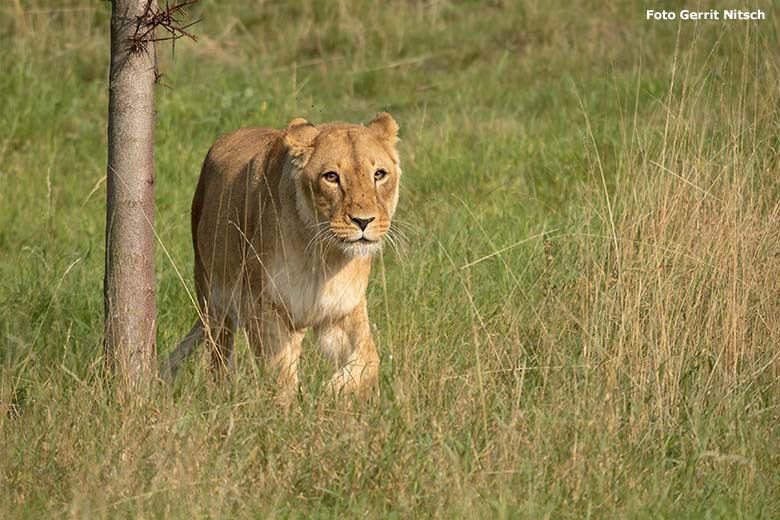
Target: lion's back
(225, 177)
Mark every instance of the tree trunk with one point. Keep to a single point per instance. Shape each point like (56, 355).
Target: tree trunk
(129, 283)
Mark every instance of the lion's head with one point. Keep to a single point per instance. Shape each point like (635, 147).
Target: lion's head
(346, 181)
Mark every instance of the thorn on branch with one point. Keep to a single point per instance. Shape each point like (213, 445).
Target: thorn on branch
(169, 18)
(158, 79)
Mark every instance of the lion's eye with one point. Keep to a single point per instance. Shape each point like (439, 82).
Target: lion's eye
(331, 177)
(379, 175)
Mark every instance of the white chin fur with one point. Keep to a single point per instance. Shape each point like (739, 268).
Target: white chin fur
(354, 249)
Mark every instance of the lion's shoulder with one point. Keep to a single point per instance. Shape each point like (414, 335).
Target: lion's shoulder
(239, 146)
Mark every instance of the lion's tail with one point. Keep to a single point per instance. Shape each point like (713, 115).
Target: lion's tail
(187, 346)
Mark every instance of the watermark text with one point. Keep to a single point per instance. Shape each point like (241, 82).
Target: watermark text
(712, 14)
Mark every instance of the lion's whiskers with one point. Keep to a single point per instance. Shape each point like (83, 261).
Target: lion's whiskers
(316, 238)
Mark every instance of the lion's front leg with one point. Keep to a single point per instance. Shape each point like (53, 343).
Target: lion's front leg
(349, 344)
(273, 340)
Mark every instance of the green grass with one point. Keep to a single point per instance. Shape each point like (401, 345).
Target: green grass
(616, 356)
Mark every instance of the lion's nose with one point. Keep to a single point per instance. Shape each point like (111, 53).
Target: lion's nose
(361, 222)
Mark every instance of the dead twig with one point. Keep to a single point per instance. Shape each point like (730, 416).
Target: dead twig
(169, 18)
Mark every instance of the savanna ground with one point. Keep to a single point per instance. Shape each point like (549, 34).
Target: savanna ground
(584, 319)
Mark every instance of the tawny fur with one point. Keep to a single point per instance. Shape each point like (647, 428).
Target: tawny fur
(279, 246)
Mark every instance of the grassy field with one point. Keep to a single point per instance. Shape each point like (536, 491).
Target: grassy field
(584, 320)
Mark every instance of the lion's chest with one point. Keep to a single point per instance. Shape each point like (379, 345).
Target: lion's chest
(309, 297)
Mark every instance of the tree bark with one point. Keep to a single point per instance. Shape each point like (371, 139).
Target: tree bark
(129, 283)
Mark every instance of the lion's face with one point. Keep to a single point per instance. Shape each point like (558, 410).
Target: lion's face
(346, 182)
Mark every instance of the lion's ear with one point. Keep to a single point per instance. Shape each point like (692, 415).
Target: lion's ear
(299, 138)
(384, 127)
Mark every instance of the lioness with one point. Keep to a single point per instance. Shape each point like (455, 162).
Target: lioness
(284, 224)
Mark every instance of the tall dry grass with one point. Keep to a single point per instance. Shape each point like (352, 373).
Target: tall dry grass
(676, 298)
(683, 287)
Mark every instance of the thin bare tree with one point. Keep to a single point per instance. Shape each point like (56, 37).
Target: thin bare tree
(129, 287)
(129, 284)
